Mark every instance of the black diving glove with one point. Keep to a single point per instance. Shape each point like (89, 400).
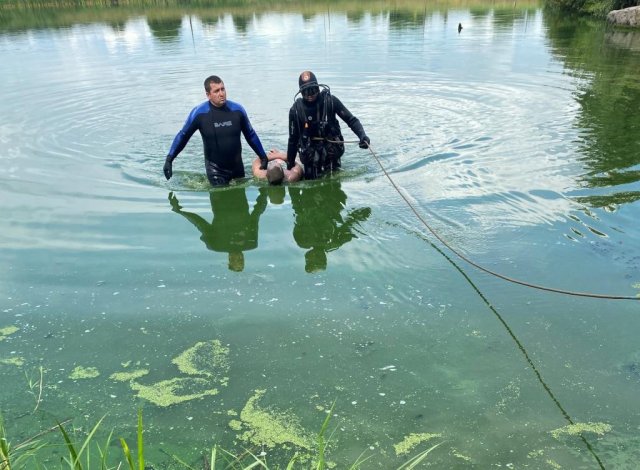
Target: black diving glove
(264, 162)
(364, 142)
(168, 167)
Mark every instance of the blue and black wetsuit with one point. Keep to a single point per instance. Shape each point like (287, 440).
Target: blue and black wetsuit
(220, 129)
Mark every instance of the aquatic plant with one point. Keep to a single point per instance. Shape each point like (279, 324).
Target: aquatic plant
(15, 457)
(174, 391)
(6, 331)
(579, 428)
(37, 384)
(270, 428)
(81, 372)
(127, 452)
(128, 376)
(206, 363)
(411, 441)
(26, 454)
(75, 458)
(13, 361)
(208, 358)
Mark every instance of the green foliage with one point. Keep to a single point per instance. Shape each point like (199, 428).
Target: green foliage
(14, 457)
(597, 8)
(127, 452)
(75, 456)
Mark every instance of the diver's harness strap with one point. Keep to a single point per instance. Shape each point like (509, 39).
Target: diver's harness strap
(315, 150)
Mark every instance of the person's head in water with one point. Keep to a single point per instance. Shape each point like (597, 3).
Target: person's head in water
(308, 84)
(275, 175)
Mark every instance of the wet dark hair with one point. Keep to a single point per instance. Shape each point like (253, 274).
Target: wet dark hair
(275, 174)
(209, 80)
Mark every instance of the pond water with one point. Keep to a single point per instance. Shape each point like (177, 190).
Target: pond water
(238, 316)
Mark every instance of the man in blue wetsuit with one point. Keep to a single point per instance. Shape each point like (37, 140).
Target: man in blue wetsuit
(220, 123)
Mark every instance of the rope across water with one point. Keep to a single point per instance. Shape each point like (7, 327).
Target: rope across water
(473, 263)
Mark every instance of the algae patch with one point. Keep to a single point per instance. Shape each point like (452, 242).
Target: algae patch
(208, 358)
(578, 428)
(14, 361)
(129, 375)
(84, 373)
(6, 331)
(173, 391)
(412, 440)
(206, 363)
(270, 428)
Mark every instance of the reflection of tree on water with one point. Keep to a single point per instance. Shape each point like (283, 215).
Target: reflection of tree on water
(233, 228)
(166, 29)
(242, 22)
(608, 121)
(319, 224)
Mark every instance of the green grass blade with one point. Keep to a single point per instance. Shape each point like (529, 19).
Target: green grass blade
(182, 462)
(322, 443)
(214, 456)
(72, 451)
(257, 462)
(140, 442)
(415, 460)
(127, 454)
(104, 453)
(4, 452)
(359, 461)
(87, 441)
(292, 461)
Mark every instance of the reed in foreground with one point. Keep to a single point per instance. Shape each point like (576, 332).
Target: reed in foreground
(88, 453)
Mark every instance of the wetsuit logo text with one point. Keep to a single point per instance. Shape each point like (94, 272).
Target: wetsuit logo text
(222, 124)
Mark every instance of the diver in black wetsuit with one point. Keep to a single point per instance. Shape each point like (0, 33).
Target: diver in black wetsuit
(220, 123)
(313, 124)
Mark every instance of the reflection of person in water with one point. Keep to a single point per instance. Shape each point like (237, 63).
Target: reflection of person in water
(319, 224)
(234, 228)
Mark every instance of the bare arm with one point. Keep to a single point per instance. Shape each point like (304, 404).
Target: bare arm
(275, 154)
(294, 174)
(257, 172)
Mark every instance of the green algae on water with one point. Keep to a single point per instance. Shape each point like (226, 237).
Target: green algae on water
(412, 440)
(84, 373)
(208, 358)
(13, 361)
(269, 428)
(129, 375)
(578, 428)
(6, 331)
(174, 391)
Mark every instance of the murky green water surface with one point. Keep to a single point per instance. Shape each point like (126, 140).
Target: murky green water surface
(240, 317)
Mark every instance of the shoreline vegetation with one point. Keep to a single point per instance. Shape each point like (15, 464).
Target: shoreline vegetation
(20, 14)
(38, 14)
(91, 451)
(595, 8)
